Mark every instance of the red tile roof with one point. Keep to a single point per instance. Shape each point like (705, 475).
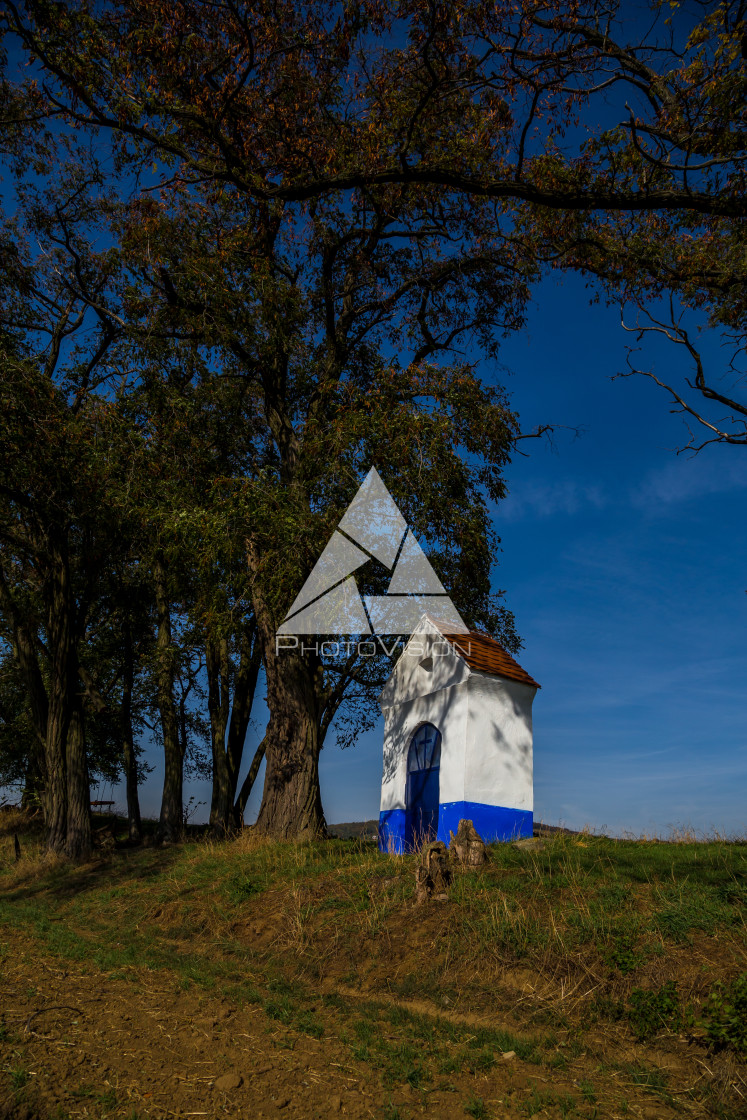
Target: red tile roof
(485, 656)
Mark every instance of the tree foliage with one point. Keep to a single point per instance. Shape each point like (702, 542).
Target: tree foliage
(274, 236)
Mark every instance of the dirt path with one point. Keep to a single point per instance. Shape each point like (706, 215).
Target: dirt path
(97, 1045)
(77, 1042)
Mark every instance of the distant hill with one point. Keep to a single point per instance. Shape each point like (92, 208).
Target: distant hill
(355, 830)
(541, 829)
(368, 830)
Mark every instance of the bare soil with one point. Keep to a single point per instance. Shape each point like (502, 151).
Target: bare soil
(306, 984)
(96, 1045)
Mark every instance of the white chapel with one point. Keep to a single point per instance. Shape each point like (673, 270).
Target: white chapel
(457, 740)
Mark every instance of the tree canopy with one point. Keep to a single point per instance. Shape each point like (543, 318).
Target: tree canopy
(256, 250)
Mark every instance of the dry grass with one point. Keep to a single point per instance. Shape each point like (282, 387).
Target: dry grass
(14, 820)
(555, 938)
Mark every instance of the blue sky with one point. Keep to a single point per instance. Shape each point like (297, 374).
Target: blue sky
(626, 567)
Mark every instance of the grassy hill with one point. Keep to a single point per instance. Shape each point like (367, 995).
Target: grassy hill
(355, 830)
(579, 977)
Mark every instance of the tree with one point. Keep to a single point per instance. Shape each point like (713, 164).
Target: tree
(292, 309)
(114, 661)
(63, 480)
(196, 430)
(440, 495)
(21, 752)
(112, 452)
(337, 182)
(300, 301)
(610, 139)
(232, 680)
(719, 416)
(52, 487)
(290, 102)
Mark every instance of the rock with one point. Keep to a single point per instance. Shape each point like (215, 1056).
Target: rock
(283, 1102)
(433, 874)
(228, 1082)
(509, 1055)
(467, 847)
(533, 842)
(335, 1104)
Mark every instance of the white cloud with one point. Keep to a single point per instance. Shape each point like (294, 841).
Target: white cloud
(565, 497)
(683, 479)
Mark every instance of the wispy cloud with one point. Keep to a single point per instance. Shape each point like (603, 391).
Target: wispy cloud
(552, 499)
(683, 479)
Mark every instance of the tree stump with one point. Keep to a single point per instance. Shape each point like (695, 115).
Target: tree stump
(105, 837)
(433, 874)
(467, 847)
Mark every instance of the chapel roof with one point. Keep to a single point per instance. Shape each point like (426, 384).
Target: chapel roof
(484, 654)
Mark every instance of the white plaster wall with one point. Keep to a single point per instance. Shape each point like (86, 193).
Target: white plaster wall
(409, 679)
(448, 710)
(498, 760)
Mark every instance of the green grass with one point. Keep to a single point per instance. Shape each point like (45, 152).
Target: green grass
(540, 1100)
(19, 1077)
(624, 953)
(398, 1058)
(107, 1098)
(524, 906)
(477, 1109)
(568, 897)
(724, 1015)
(587, 1091)
(653, 1010)
(621, 910)
(286, 1005)
(655, 1080)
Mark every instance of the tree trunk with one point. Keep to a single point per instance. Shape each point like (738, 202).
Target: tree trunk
(245, 687)
(26, 656)
(216, 663)
(129, 758)
(79, 840)
(247, 785)
(171, 822)
(59, 641)
(228, 742)
(291, 801)
(33, 781)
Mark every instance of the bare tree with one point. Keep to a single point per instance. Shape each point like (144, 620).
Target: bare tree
(699, 399)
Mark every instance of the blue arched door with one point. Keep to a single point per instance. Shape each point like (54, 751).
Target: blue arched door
(423, 764)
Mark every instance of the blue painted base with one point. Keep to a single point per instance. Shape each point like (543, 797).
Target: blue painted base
(392, 827)
(493, 822)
